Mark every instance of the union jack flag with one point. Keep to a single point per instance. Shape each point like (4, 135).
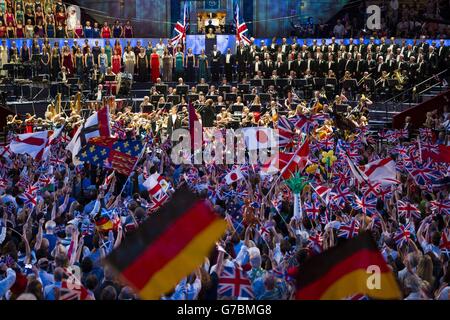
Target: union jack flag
(315, 242)
(181, 28)
(44, 181)
(349, 230)
(403, 234)
(286, 131)
(157, 201)
(406, 209)
(241, 28)
(341, 196)
(312, 209)
(426, 133)
(87, 229)
(3, 183)
(367, 205)
(371, 190)
(233, 282)
(29, 196)
(440, 206)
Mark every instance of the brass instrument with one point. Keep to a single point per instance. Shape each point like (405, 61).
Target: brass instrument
(385, 77)
(400, 78)
(58, 104)
(364, 78)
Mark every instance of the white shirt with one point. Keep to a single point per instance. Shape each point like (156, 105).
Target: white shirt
(174, 118)
(228, 58)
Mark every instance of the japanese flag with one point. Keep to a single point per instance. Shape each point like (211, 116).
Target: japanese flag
(234, 176)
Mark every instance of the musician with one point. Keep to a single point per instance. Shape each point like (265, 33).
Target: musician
(412, 68)
(311, 64)
(380, 67)
(146, 106)
(443, 55)
(299, 65)
(223, 118)
(371, 64)
(267, 67)
(280, 68)
(173, 121)
(63, 75)
(229, 61)
(241, 60)
(99, 94)
(248, 119)
(432, 60)
(360, 66)
(321, 66)
(215, 57)
(257, 66)
(208, 114)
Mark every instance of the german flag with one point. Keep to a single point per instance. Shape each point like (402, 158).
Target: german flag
(169, 245)
(354, 267)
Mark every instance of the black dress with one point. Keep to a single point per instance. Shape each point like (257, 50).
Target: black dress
(190, 71)
(56, 67)
(45, 64)
(142, 69)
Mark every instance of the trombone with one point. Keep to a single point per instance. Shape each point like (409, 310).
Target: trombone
(364, 78)
(385, 77)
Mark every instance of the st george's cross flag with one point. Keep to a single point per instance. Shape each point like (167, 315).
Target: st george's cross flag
(168, 246)
(343, 271)
(382, 171)
(97, 125)
(32, 144)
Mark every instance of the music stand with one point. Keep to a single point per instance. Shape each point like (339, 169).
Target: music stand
(162, 89)
(350, 84)
(72, 82)
(182, 90)
(331, 82)
(282, 82)
(255, 108)
(256, 82)
(213, 98)
(110, 78)
(236, 108)
(265, 98)
(203, 88)
(155, 98)
(224, 89)
(392, 83)
(230, 97)
(269, 82)
(249, 97)
(175, 99)
(244, 88)
(192, 97)
(300, 83)
(166, 106)
(319, 82)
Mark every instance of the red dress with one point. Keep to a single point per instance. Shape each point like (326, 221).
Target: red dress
(154, 65)
(116, 64)
(3, 32)
(19, 32)
(106, 32)
(68, 63)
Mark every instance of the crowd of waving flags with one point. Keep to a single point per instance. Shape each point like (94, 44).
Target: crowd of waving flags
(346, 185)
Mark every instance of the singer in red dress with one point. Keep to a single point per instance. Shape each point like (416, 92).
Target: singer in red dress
(154, 65)
(116, 62)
